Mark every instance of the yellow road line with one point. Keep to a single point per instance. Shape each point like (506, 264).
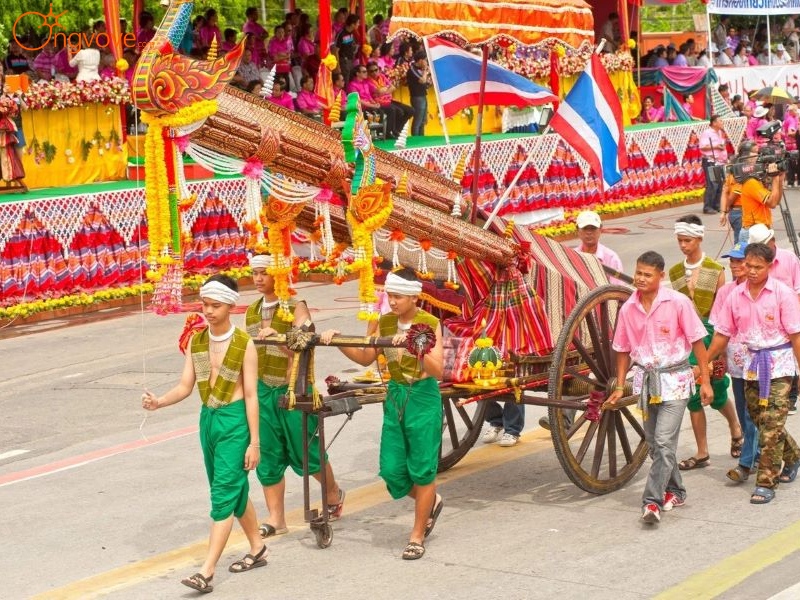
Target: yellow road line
(732, 570)
(368, 496)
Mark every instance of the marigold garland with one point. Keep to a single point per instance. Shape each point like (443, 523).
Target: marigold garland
(160, 220)
(362, 231)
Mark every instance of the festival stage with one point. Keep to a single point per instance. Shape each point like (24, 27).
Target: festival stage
(61, 241)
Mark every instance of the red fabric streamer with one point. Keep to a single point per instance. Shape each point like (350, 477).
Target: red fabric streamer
(194, 323)
(554, 75)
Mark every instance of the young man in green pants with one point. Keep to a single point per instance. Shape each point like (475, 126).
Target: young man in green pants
(222, 361)
(281, 430)
(412, 413)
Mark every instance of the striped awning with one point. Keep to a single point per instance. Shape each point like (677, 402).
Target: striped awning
(483, 21)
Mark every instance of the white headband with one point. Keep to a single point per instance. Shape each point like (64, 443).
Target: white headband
(404, 287)
(220, 292)
(260, 261)
(690, 230)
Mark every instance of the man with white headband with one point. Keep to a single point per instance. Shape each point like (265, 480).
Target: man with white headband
(222, 361)
(412, 413)
(281, 430)
(699, 277)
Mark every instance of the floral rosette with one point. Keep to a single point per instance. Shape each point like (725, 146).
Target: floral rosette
(279, 220)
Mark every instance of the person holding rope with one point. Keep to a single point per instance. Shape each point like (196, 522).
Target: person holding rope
(412, 413)
(656, 329)
(764, 314)
(699, 277)
(281, 430)
(222, 361)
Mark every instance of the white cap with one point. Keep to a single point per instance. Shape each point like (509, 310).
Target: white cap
(780, 48)
(760, 111)
(714, 47)
(760, 234)
(587, 218)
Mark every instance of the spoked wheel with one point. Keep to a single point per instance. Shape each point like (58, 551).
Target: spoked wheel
(461, 426)
(600, 455)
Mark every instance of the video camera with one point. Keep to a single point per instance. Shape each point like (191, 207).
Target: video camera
(773, 152)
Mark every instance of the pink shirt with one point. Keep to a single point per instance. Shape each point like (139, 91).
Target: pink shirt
(736, 351)
(786, 269)
(285, 100)
(257, 34)
(364, 90)
(790, 125)
(308, 101)
(609, 258)
(711, 137)
(276, 47)
(765, 322)
(206, 34)
(661, 338)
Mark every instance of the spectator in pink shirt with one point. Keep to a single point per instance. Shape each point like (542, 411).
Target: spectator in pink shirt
(791, 124)
(147, 30)
(656, 329)
(229, 43)
(280, 96)
(764, 314)
(279, 50)
(308, 102)
(209, 32)
(258, 36)
(362, 86)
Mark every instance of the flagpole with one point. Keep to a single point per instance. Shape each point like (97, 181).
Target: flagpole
(476, 163)
(507, 191)
(439, 105)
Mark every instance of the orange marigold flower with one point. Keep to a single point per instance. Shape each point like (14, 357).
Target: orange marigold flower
(425, 245)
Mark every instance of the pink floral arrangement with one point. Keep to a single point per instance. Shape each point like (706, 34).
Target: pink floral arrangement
(8, 106)
(59, 95)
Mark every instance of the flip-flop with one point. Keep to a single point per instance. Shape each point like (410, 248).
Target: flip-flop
(413, 551)
(766, 495)
(266, 530)
(259, 560)
(694, 463)
(335, 510)
(435, 511)
(199, 583)
(736, 446)
(789, 473)
(738, 474)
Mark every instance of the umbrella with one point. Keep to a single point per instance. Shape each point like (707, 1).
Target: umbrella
(773, 95)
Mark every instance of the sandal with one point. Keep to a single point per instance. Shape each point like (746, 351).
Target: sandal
(199, 583)
(736, 446)
(762, 495)
(789, 473)
(413, 551)
(250, 562)
(266, 530)
(435, 511)
(694, 463)
(738, 474)
(335, 510)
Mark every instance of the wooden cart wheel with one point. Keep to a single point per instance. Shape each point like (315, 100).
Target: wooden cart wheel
(603, 455)
(461, 426)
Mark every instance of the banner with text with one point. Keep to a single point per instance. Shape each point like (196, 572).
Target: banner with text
(754, 7)
(743, 80)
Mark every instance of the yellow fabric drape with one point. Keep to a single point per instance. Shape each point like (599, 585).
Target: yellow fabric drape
(66, 130)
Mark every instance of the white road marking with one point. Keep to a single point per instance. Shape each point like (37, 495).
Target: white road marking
(12, 453)
(791, 593)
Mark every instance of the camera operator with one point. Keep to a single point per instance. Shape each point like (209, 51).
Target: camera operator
(713, 146)
(757, 200)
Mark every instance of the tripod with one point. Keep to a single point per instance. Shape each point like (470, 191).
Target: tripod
(786, 213)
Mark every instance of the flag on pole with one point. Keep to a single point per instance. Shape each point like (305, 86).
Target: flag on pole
(457, 79)
(590, 120)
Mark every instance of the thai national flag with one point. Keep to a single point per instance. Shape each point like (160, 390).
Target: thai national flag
(590, 120)
(457, 77)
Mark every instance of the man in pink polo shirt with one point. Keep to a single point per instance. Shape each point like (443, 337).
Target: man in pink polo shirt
(656, 329)
(764, 314)
(786, 266)
(713, 147)
(589, 229)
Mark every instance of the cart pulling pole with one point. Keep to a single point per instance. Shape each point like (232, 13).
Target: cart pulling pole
(340, 341)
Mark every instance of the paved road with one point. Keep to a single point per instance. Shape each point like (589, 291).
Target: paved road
(99, 503)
